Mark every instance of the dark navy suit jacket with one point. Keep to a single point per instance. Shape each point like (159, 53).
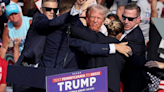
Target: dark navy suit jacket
(134, 67)
(36, 36)
(56, 47)
(115, 62)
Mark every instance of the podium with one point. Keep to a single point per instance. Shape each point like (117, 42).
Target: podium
(30, 76)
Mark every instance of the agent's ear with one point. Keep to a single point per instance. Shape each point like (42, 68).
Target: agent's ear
(138, 19)
(41, 10)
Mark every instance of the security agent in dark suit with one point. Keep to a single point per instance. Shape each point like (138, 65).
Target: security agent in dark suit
(133, 76)
(43, 24)
(115, 62)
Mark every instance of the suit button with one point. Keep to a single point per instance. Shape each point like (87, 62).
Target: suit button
(104, 48)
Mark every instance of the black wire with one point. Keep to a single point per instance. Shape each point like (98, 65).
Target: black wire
(68, 32)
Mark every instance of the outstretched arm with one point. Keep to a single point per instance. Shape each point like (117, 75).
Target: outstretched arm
(91, 36)
(42, 22)
(99, 49)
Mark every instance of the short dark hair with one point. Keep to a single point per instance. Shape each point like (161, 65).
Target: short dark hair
(65, 5)
(131, 6)
(115, 27)
(113, 15)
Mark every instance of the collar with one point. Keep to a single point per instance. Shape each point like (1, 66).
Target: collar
(128, 31)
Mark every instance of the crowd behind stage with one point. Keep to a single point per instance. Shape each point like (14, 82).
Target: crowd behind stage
(84, 34)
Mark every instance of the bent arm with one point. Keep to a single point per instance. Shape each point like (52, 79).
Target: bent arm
(91, 36)
(16, 49)
(90, 48)
(5, 39)
(99, 49)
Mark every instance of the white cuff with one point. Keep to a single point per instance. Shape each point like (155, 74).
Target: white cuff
(75, 12)
(112, 49)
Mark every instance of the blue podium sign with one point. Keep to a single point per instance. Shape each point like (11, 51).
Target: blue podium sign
(91, 80)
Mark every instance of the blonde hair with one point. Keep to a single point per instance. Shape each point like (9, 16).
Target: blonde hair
(101, 9)
(115, 27)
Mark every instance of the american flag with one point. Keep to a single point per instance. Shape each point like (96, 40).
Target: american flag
(157, 84)
(154, 86)
(161, 86)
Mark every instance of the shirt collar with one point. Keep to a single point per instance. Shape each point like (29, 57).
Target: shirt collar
(128, 31)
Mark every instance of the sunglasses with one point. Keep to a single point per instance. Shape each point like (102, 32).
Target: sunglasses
(129, 18)
(49, 9)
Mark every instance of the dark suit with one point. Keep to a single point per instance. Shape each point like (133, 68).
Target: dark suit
(115, 62)
(133, 75)
(36, 36)
(56, 48)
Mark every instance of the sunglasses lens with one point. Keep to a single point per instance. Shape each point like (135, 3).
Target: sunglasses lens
(123, 17)
(55, 9)
(48, 9)
(130, 19)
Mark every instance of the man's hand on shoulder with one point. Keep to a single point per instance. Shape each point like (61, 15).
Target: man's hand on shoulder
(124, 49)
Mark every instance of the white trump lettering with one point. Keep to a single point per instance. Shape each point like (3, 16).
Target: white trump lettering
(92, 81)
(68, 85)
(60, 85)
(76, 84)
(84, 82)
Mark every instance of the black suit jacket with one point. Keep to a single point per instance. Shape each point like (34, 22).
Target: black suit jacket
(115, 62)
(136, 41)
(134, 65)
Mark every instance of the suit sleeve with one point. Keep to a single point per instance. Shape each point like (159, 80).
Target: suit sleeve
(90, 48)
(137, 47)
(136, 60)
(44, 23)
(91, 36)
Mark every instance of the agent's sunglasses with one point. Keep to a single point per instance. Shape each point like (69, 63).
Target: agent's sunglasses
(129, 18)
(49, 9)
